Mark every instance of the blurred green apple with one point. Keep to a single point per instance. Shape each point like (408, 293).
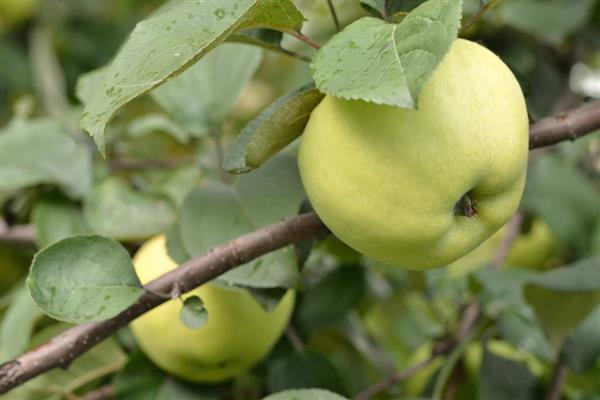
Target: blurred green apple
(537, 248)
(238, 333)
(421, 188)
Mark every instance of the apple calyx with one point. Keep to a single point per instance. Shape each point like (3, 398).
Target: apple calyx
(465, 206)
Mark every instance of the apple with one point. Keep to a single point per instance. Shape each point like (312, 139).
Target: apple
(537, 248)
(237, 335)
(421, 188)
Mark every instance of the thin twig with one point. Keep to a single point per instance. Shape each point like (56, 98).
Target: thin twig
(305, 39)
(294, 338)
(16, 234)
(102, 393)
(290, 53)
(559, 374)
(336, 21)
(223, 175)
(512, 231)
(482, 10)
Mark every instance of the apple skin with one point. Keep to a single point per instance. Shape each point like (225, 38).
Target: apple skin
(237, 334)
(386, 180)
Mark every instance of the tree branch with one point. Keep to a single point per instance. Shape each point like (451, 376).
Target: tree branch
(64, 348)
(17, 234)
(559, 374)
(568, 125)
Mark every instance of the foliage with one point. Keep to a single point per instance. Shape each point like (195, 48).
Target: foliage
(199, 91)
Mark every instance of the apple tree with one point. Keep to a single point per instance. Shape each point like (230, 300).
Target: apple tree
(300, 199)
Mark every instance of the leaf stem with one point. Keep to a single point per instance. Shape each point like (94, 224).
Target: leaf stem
(306, 40)
(336, 21)
(486, 7)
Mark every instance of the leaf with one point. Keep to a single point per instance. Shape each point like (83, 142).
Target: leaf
(305, 394)
(265, 38)
(331, 299)
(193, 314)
(17, 325)
(83, 279)
(88, 82)
(42, 152)
(139, 379)
(562, 298)
(376, 6)
(226, 212)
(101, 360)
(564, 199)
(502, 379)
(55, 218)
(115, 210)
(177, 183)
(502, 291)
(170, 41)
(306, 369)
(581, 350)
(535, 17)
(276, 127)
(218, 77)
(384, 63)
(525, 334)
(157, 122)
(176, 390)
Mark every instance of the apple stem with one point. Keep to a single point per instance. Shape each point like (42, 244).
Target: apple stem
(465, 206)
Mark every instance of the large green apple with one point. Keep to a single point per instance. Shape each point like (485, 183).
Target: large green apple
(420, 188)
(237, 335)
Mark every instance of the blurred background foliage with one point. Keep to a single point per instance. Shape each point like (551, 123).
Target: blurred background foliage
(357, 320)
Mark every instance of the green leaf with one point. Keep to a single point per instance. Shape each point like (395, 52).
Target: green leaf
(88, 82)
(193, 314)
(177, 183)
(265, 38)
(227, 212)
(41, 151)
(502, 291)
(564, 199)
(307, 369)
(581, 350)
(562, 298)
(55, 218)
(139, 379)
(101, 360)
(176, 390)
(377, 6)
(525, 334)
(331, 299)
(201, 97)
(384, 63)
(502, 379)
(170, 41)
(149, 123)
(115, 210)
(551, 21)
(276, 127)
(305, 394)
(83, 279)
(17, 325)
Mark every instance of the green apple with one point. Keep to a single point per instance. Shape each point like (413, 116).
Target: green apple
(537, 248)
(237, 334)
(421, 188)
